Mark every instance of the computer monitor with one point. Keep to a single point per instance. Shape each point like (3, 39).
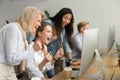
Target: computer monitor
(110, 38)
(89, 51)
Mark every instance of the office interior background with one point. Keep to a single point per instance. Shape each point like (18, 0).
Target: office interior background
(100, 13)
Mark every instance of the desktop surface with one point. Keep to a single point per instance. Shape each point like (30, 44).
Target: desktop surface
(112, 71)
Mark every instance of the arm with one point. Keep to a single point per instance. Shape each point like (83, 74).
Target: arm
(14, 46)
(46, 59)
(67, 49)
(69, 52)
(33, 68)
(51, 59)
(42, 64)
(33, 65)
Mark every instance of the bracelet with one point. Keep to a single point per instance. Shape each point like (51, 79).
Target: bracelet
(54, 59)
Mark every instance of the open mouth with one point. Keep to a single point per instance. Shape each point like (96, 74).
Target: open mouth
(48, 39)
(36, 27)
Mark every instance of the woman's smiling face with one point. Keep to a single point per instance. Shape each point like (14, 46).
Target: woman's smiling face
(46, 34)
(36, 23)
(66, 19)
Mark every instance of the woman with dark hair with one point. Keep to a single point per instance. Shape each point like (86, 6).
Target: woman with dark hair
(62, 24)
(42, 61)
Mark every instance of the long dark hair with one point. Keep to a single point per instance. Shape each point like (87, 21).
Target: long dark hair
(57, 19)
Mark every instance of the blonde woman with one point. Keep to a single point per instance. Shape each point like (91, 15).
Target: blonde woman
(13, 44)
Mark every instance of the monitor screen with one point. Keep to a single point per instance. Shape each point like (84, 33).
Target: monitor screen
(90, 44)
(110, 38)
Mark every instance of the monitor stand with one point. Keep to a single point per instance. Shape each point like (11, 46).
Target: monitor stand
(101, 74)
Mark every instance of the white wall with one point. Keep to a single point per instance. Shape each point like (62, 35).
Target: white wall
(100, 13)
(10, 9)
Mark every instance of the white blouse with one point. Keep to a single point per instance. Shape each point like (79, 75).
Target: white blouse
(12, 45)
(32, 67)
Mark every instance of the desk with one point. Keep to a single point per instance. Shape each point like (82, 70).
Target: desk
(112, 71)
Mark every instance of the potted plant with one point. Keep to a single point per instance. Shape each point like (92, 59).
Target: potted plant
(118, 52)
(47, 13)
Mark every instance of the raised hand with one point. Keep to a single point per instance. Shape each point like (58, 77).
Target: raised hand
(48, 57)
(37, 46)
(74, 63)
(59, 53)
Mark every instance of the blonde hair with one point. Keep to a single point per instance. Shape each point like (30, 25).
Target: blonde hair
(28, 16)
(82, 24)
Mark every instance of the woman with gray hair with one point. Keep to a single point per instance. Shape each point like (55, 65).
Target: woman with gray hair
(13, 45)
